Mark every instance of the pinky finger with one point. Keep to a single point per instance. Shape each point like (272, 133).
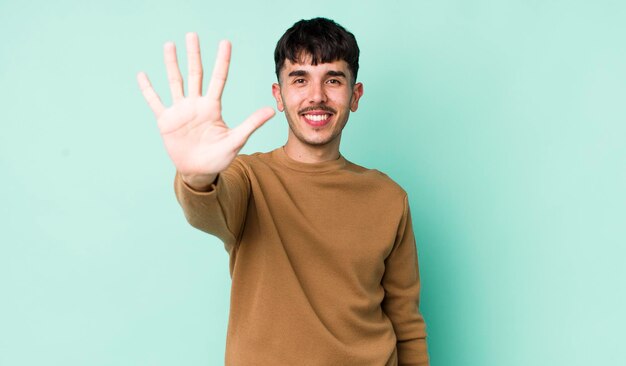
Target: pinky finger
(149, 94)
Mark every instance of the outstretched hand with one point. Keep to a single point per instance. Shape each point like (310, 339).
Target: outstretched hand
(196, 137)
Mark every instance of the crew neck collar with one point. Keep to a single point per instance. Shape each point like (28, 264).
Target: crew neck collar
(281, 156)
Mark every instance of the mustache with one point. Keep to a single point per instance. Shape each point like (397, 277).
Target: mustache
(317, 108)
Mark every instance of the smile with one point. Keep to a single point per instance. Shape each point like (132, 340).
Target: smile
(317, 119)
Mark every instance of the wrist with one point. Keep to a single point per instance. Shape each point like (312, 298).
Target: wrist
(201, 183)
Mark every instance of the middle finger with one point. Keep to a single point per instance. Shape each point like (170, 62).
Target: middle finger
(194, 65)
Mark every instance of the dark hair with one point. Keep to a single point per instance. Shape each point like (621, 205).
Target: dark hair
(322, 39)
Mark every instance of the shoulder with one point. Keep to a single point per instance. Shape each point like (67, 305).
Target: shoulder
(253, 164)
(253, 160)
(377, 179)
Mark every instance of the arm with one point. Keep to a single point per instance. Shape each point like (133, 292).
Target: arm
(221, 210)
(401, 303)
(194, 133)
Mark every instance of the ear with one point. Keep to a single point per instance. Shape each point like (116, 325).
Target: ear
(357, 93)
(278, 97)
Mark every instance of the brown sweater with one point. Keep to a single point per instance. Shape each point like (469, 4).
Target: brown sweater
(322, 260)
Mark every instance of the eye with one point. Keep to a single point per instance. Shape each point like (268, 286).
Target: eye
(334, 81)
(298, 81)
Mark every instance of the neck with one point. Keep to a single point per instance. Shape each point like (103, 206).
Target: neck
(305, 153)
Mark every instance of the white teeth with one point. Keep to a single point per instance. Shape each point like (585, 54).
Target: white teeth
(316, 117)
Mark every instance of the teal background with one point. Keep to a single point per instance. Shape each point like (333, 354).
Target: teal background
(504, 120)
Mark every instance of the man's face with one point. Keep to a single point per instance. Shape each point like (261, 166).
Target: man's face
(317, 100)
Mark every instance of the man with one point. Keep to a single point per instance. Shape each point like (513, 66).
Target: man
(322, 253)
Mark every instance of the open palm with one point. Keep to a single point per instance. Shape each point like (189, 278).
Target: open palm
(196, 137)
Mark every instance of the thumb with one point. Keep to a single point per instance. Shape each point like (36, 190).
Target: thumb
(242, 132)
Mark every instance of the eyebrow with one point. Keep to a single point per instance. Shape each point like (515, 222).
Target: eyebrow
(336, 73)
(298, 73)
(305, 73)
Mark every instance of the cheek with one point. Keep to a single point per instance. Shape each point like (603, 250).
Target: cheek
(343, 98)
(292, 101)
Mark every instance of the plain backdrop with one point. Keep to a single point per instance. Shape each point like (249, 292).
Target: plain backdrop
(505, 121)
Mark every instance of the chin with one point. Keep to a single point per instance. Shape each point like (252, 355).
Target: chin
(317, 140)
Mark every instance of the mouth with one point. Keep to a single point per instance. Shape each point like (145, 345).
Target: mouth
(317, 118)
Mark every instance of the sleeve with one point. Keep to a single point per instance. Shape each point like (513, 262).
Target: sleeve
(401, 282)
(221, 211)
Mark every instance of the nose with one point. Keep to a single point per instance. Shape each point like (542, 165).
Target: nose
(317, 93)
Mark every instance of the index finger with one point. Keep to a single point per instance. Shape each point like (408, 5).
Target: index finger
(220, 71)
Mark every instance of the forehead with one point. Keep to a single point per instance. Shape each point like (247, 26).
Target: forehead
(305, 64)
